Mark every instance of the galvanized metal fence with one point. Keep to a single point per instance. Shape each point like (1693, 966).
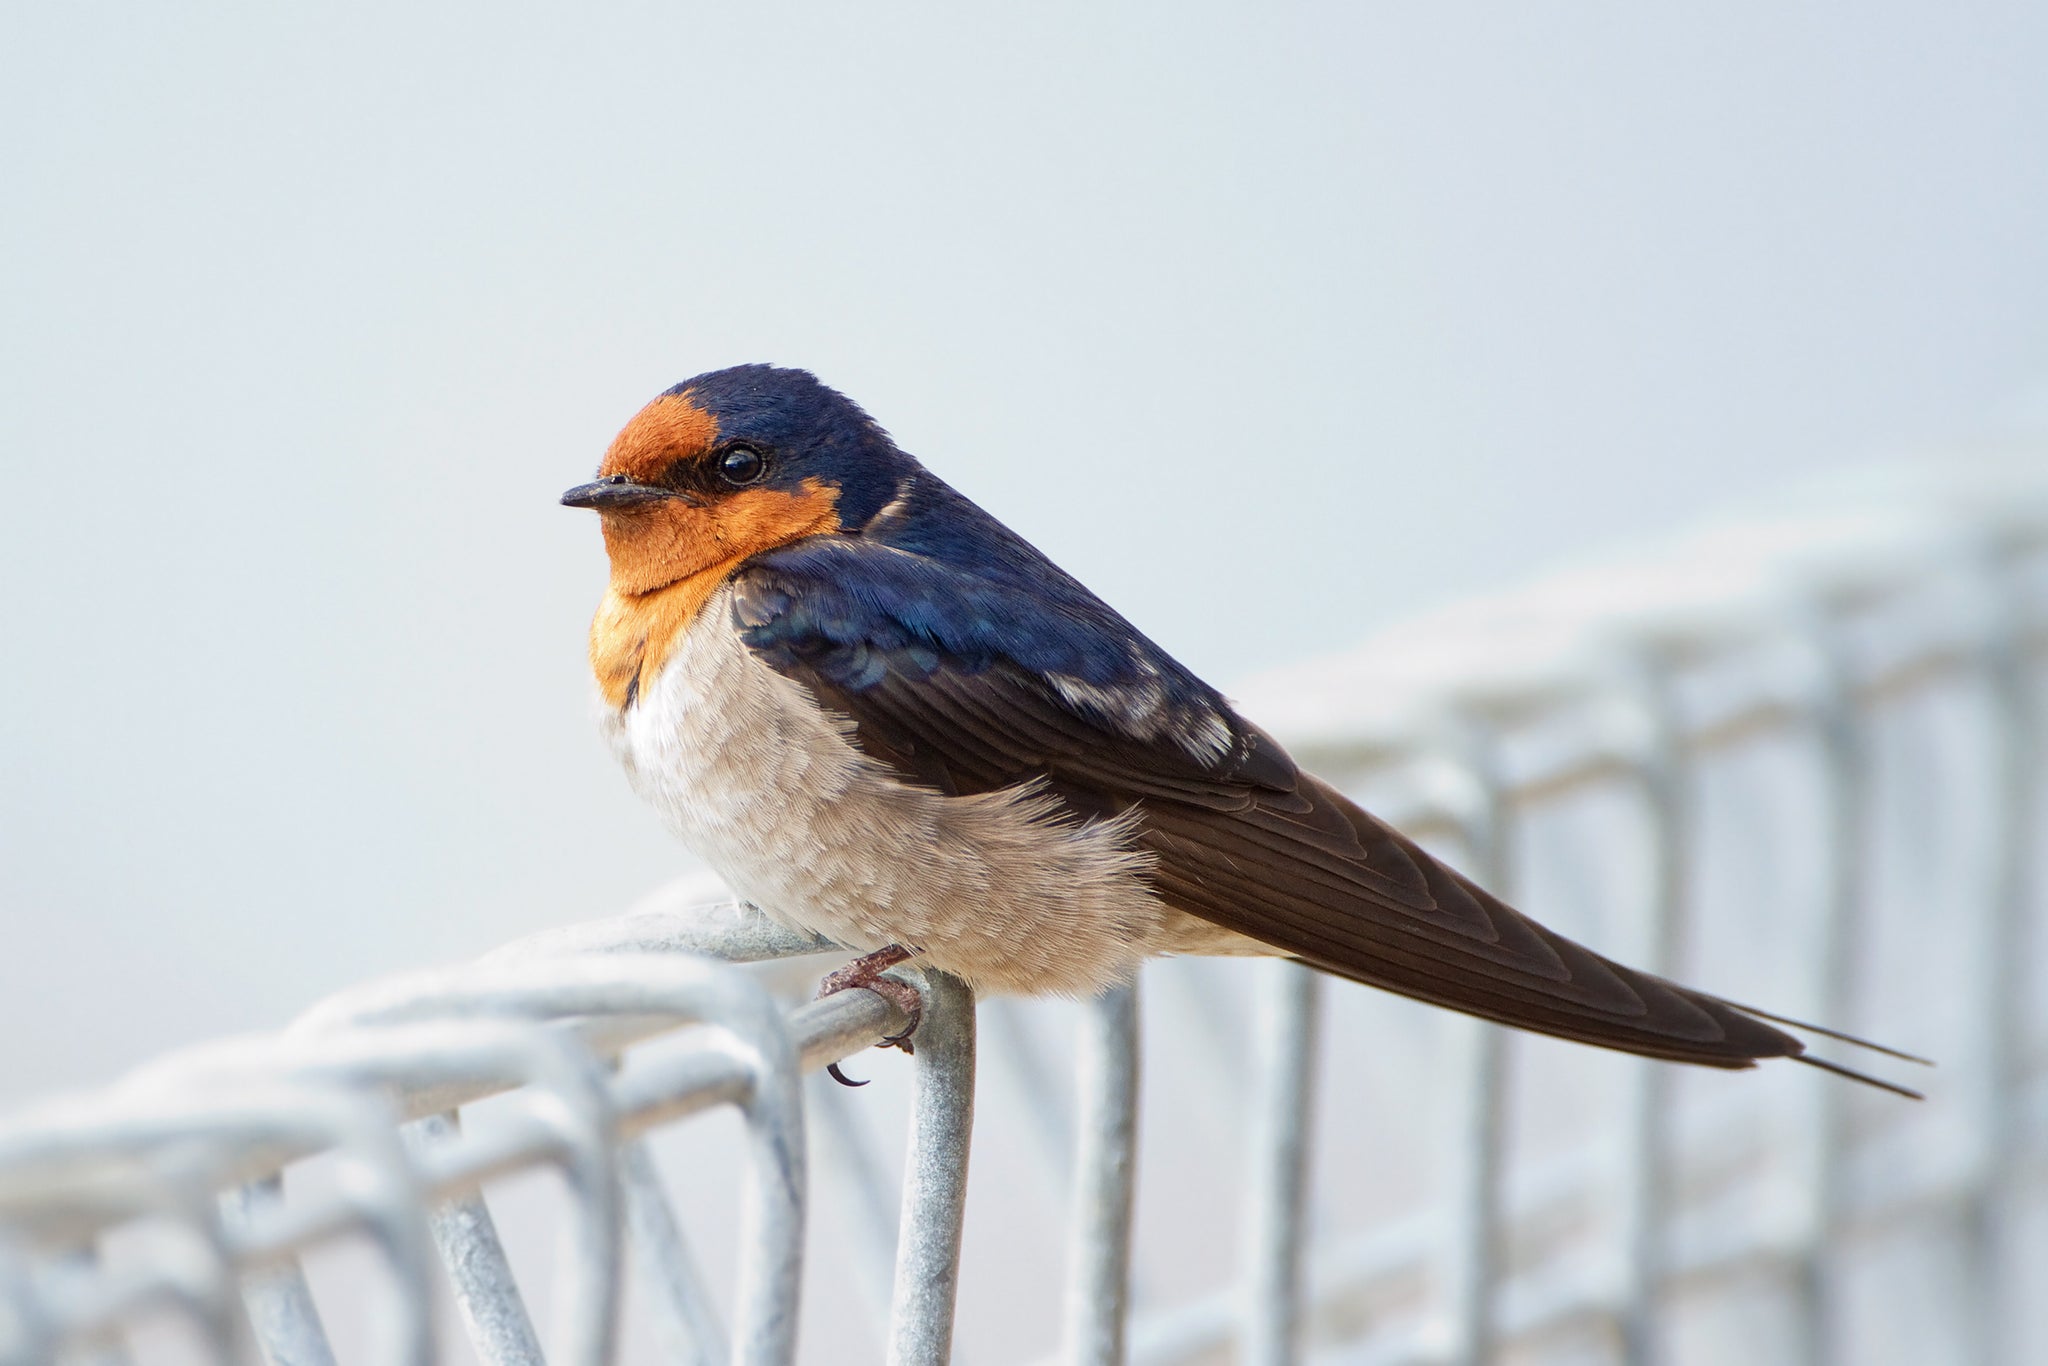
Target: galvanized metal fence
(1795, 760)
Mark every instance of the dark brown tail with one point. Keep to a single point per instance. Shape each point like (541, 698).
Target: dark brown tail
(1311, 873)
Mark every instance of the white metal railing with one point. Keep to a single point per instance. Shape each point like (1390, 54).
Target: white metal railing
(1868, 662)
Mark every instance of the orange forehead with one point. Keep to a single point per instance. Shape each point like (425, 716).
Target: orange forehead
(667, 430)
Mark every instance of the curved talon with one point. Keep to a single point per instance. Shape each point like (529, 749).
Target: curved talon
(865, 973)
(904, 997)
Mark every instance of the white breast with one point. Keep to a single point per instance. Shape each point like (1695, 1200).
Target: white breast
(1000, 889)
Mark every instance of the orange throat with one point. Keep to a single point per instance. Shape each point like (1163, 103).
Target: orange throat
(665, 567)
(632, 634)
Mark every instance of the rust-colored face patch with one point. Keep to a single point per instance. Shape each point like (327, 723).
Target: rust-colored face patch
(669, 558)
(670, 555)
(657, 544)
(669, 429)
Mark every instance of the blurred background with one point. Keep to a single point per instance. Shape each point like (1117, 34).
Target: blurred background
(1273, 326)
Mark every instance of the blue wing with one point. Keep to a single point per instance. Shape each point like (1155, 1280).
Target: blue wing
(971, 676)
(895, 629)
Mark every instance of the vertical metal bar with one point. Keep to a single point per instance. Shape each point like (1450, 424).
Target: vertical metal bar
(2013, 739)
(1839, 734)
(1478, 1058)
(1285, 1039)
(1472, 1269)
(486, 1295)
(1661, 782)
(686, 1323)
(776, 1207)
(935, 1179)
(281, 1309)
(1106, 1160)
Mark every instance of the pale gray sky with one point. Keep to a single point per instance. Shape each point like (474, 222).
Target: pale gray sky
(1272, 323)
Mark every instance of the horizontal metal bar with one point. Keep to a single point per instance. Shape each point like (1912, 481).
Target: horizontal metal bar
(643, 1096)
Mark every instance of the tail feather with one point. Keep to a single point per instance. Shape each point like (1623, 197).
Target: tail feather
(1853, 1075)
(1319, 878)
(1835, 1034)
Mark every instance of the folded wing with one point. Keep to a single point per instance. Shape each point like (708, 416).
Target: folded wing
(967, 687)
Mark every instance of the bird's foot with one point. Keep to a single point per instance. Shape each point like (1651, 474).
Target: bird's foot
(865, 973)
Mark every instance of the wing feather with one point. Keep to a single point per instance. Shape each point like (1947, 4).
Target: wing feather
(1240, 836)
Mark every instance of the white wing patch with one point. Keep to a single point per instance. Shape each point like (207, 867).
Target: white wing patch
(1140, 710)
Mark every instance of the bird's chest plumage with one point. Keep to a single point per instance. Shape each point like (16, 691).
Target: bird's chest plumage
(768, 788)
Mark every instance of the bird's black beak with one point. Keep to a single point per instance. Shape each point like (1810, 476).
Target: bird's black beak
(618, 491)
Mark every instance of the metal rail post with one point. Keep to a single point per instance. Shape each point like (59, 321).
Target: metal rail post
(1659, 763)
(1471, 1254)
(1099, 1239)
(935, 1183)
(1838, 737)
(2014, 755)
(1286, 1037)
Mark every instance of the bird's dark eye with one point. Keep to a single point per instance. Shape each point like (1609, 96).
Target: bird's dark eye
(742, 465)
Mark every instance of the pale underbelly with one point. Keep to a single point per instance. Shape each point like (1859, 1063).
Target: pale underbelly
(996, 888)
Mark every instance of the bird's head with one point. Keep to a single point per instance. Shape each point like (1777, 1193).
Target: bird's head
(731, 464)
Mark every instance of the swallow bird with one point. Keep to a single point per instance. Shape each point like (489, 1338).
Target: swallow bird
(885, 718)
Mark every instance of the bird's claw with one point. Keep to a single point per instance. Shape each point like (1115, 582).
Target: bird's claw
(865, 973)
